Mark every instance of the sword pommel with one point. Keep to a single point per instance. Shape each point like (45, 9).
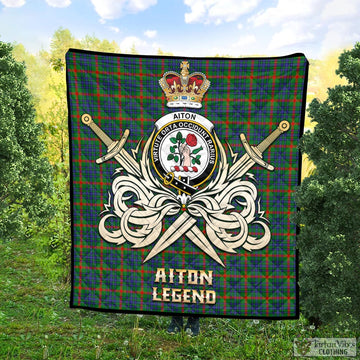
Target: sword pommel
(86, 119)
(284, 126)
(115, 149)
(254, 154)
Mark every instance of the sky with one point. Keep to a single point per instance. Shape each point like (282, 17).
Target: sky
(192, 28)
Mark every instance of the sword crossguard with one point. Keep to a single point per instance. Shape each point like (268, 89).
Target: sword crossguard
(114, 148)
(255, 154)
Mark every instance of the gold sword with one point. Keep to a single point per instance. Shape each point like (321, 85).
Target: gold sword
(185, 224)
(254, 154)
(114, 148)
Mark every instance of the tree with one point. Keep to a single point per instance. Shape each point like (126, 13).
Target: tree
(25, 174)
(37, 73)
(329, 202)
(164, 53)
(95, 44)
(60, 43)
(63, 40)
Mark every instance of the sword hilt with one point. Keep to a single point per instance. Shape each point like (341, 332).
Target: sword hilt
(255, 152)
(113, 147)
(87, 120)
(282, 127)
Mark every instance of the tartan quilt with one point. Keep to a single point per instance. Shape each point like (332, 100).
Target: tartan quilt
(182, 174)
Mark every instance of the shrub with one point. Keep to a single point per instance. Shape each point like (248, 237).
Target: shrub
(329, 202)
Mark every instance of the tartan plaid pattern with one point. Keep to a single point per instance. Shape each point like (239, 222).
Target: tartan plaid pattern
(247, 95)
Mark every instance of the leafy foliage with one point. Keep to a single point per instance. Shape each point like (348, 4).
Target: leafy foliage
(46, 72)
(56, 238)
(25, 174)
(329, 202)
(62, 40)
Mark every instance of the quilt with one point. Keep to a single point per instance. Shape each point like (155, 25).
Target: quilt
(182, 178)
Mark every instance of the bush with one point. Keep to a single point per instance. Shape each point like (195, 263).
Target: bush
(329, 202)
(25, 174)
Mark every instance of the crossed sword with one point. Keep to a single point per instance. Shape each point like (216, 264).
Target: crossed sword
(185, 224)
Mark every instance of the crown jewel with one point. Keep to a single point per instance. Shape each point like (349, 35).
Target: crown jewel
(184, 89)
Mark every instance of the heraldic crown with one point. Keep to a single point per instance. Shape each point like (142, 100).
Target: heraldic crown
(184, 89)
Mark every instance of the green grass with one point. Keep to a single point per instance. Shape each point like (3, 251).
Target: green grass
(37, 323)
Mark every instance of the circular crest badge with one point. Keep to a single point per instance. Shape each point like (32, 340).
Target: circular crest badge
(183, 151)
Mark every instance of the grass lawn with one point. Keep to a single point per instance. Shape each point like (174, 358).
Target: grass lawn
(37, 323)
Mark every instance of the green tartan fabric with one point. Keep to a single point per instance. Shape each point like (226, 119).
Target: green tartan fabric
(246, 95)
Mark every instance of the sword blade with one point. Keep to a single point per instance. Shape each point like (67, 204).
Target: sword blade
(128, 162)
(178, 228)
(241, 167)
(200, 240)
(185, 224)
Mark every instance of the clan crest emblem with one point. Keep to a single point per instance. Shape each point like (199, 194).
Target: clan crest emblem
(184, 172)
(184, 152)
